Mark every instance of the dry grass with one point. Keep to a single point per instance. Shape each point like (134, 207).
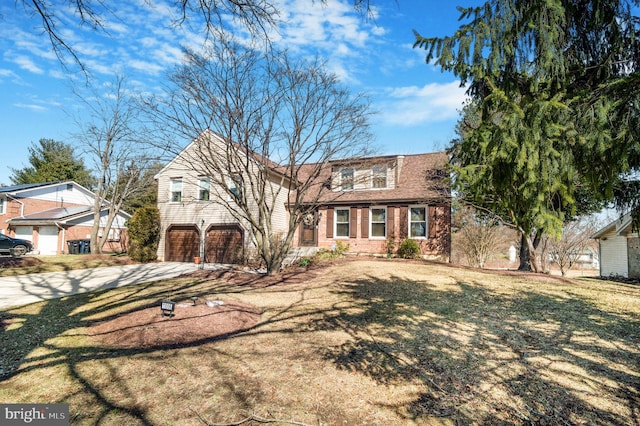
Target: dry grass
(12, 266)
(361, 342)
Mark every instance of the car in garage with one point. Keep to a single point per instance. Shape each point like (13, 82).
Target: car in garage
(14, 246)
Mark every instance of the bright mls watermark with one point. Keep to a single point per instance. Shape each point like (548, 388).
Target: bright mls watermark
(34, 414)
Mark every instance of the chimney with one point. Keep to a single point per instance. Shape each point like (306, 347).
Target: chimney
(399, 161)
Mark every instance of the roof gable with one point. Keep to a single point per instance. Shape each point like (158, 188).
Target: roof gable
(61, 215)
(621, 226)
(24, 189)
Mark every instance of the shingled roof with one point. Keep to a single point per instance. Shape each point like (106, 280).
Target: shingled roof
(420, 177)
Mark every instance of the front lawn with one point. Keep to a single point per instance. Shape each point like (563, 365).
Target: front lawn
(361, 342)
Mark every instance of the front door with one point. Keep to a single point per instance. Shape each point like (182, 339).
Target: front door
(308, 230)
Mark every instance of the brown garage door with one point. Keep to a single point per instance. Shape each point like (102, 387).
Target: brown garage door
(183, 242)
(224, 244)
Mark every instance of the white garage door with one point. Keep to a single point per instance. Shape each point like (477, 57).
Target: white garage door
(48, 240)
(24, 232)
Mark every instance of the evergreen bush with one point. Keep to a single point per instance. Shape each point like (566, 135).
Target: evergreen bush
(144, 234)
(409, 249)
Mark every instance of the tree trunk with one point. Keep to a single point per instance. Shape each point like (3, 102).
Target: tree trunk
(94, 243)
(528, 250)
(525, 254)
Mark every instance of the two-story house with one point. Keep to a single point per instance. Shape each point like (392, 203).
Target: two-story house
(381, 200)
(52, 214)
(365, 203)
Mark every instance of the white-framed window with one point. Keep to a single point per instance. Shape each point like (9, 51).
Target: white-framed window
(235, 186)
(176, 190)
(3, 205)
(204, 189)
(379, 177)
(378, 222)
(342, 223)
(346, 179)
(418, 222)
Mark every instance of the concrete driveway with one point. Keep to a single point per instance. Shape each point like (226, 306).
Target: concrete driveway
(24, 289)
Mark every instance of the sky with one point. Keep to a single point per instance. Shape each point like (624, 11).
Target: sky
(416, 104)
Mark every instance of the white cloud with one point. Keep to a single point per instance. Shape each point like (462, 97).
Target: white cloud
(324, 25)
(90, 49)
(146, 66)
(8, 73)
(412, 105)
(27, 64)
(32, 107)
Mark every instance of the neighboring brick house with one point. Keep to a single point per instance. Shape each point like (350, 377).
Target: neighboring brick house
(54, 213)
(365, 203)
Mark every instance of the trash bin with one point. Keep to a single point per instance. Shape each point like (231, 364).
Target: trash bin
(85, 246)
(73, 247)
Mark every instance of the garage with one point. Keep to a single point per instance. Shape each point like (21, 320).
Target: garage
(224, 244)
(48, 240)
(24, 232)
(183, 242)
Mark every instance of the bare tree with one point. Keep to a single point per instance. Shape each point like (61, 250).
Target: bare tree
(263, 127)
(478, 236)
(575, 239)
(110, 140)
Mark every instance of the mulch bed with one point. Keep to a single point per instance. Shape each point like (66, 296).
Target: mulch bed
(148, 327)
(18, 262)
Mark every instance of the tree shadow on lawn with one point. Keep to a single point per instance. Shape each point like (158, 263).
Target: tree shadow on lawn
(28, 333)
(488, 357)
(477, 355)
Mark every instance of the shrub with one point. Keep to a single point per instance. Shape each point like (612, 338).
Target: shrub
(144, 234)
(390, 245)
(409, 249)
(338, 250)
(304, 262)
(141, 253)
(341, 248)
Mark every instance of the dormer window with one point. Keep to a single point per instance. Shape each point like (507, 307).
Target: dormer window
(346, 179)
(379, 177)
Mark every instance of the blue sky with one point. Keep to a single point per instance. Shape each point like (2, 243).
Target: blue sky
(417, 105)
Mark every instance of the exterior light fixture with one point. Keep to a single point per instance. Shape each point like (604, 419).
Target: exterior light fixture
(167, 307)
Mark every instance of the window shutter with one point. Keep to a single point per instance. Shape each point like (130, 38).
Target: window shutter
(353, 222)
(404, 221)
(330, 222)
(364, 223)
(433, 222)
(391, 230)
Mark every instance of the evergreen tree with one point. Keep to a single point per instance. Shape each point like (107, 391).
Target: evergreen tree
(52, 161)
(144, 234)
(555, 99)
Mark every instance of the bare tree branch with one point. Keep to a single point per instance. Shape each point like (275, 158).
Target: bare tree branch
(112, 140)
(260, 121)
